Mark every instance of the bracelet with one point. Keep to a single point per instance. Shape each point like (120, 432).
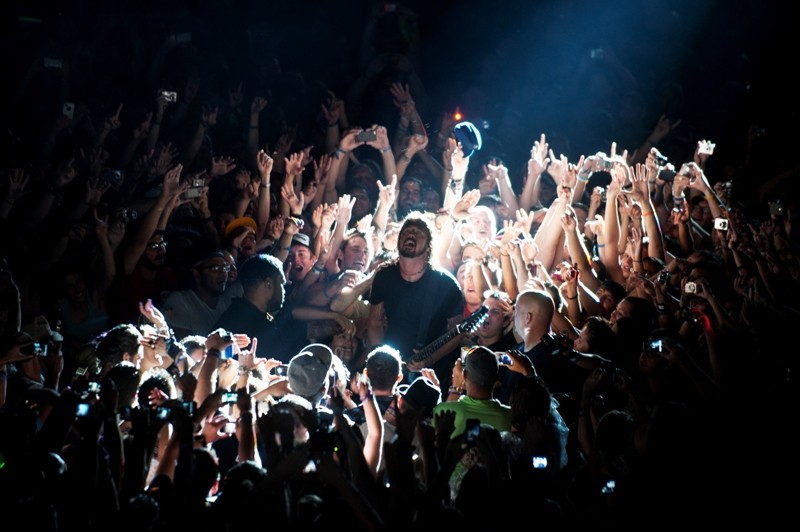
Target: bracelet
(455, 220)
(583, 180)
(505, 254)
(572, 298)
(639, 261)
(213, 352)
(266, 186)
(245, 371)
(645, 215)
(601, 245)
(387, 149)
(455, 390)
(338, 151)
(318, 270)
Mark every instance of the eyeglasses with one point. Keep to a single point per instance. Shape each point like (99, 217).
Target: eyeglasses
(156, 245)
(216, 268)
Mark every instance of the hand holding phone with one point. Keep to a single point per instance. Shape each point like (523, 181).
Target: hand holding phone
(368, 135)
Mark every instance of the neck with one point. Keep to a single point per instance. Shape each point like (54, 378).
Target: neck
(257, 301)
(207, 297)
(412, 267)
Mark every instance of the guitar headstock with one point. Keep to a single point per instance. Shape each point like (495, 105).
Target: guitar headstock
(474, 320)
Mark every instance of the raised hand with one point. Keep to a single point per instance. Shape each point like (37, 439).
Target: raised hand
(294, 164)
(401, 97)
(557, 167)
(112, 121)
(95, 190)
(386, 193)
(345, 210)
(465, 203)
(257, 105)
(17, 181)
(663, 128)
(538, 161)
(222, 165)
(524, 221)
(264, 163)
(295, 202)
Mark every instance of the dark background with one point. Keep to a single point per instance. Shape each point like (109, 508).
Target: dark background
(523, 68)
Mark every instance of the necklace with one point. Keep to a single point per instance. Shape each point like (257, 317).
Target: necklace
(414, 274)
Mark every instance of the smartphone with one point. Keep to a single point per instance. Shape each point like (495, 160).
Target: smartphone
(367, 135)
(663, 277)
(656, 345)
(609, 487)
(705, 147)
(690, 288)
(230, 427)
(162, 413)
(83, 409)
(473, 429)
(189, 406)
(229, 398)
(280, 371)
(193, 192)
(226, 353)
(35, 349)
(170, 96)
(68, 110)
(539, 462)
(181, 38)
(721, 224)
(776, 208)
(93, 387)
(504, 359)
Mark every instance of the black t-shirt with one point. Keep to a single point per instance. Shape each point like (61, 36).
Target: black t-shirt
(436, 296)
(243, 317)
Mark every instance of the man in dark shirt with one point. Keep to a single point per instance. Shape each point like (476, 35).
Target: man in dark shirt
(420, 302)
(532, 318)
(253, 314)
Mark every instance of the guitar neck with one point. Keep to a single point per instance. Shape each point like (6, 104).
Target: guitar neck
(434, 346)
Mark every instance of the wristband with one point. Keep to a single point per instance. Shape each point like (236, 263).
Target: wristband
(387, 149)
(455, 390)
(584, 179)
(214, 352)
(338, 151)
(318, 270)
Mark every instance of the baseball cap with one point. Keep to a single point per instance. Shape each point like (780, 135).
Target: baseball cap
(309, 369)
(469, 136)
(244, 221)
(301, 239)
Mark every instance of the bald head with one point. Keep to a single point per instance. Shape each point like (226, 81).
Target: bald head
(533, 314)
